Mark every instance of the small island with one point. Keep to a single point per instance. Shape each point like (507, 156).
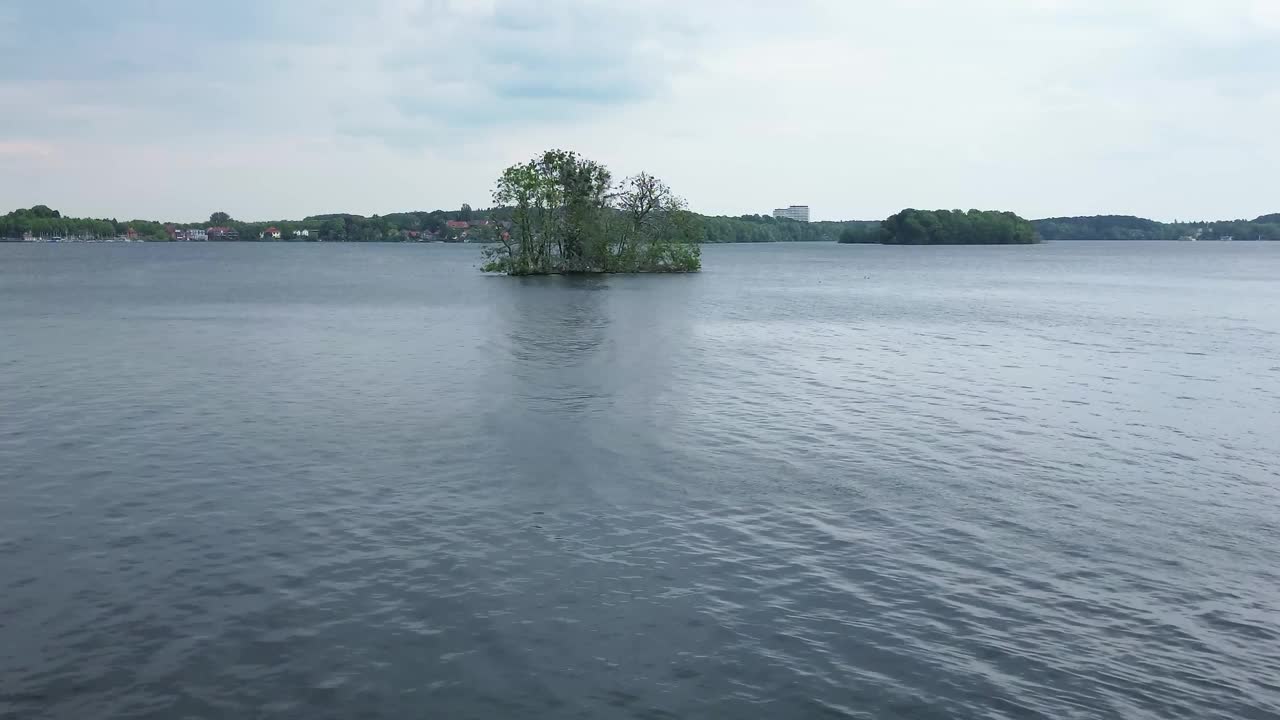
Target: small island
(570, 216)
(946, 227)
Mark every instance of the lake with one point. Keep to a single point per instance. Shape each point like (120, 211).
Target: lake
(366, 481)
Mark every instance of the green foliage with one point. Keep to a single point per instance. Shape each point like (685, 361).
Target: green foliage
(955, 227)
(1234, 229)
(148, 230)
(486, 226)
(569, 216)
(397, 227)
(765, 228)
(1124, 227)
(43, 222)
(1103, 227)
(860, 233)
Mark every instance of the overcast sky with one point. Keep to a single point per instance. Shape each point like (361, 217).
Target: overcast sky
(282, 108)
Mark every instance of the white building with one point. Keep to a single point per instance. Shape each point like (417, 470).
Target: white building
(795, 212)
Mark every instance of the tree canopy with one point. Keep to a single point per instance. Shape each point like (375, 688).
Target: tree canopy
(956, 227)
(569, 215)
(766, 228)
(1102, 227)
(860, 233)
(42, 221)
(1125, 227)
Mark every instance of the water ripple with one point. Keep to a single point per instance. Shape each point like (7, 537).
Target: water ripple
(949, 489)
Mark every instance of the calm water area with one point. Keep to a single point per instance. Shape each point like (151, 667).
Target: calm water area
(368, 481)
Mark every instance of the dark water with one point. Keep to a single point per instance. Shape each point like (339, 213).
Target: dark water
(252, 481)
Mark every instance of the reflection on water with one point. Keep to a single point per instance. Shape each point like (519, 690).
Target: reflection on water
(367, 481)
(553, 321)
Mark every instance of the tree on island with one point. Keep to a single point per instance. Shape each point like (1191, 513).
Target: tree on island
(948, 227)
(219, 219)
(569, 216)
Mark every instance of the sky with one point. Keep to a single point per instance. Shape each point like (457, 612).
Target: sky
(272, 109)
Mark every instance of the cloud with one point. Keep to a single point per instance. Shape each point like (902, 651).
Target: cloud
(463, 65)
(853, 106)
(24, 149)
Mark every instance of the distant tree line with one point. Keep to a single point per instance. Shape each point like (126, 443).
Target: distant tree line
(1103, 227)
(766, 228)
(395, 227)
(863, 233)
(914, 226)
(345, 227)
(945, 227)
(1126, 227)
(44, 222)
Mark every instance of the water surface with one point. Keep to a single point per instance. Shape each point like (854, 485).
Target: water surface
(366, 481)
